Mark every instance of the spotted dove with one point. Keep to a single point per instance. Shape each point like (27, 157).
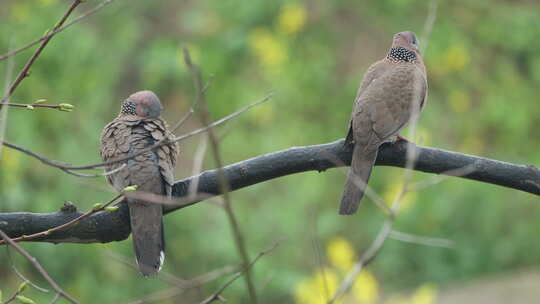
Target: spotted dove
(392, 93)
(138, 126)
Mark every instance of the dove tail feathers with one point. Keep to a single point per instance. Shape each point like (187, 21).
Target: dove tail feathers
(357, 179)
(148, 236)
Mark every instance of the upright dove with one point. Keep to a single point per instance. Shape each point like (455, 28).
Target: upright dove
(392, 93)
(137, 127)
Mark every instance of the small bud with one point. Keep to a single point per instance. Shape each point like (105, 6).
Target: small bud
(24, 300)
(97, 206)
(47, 31)
(22, 287)
(30, 107)
(130, 188)
(47, 232)
(41, 100)
(66, 107)
(111, 208)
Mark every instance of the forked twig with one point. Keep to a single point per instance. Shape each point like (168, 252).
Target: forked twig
(38, 266)
(217, 295)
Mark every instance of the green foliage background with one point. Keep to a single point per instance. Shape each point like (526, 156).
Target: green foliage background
(484, 73)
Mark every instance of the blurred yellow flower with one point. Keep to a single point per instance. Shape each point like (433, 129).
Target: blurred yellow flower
(318, 289)
(460, 101)
(340, 253)
(292, 18)
(366, 288)
(425, 294)
(269, 50)
(394, 189)
(455, 58)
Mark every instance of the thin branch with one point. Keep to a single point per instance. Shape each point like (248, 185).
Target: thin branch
(31, 106)
(428, 24)
(191, 110)
(13, 296)
(223, 183)
(421, 240)
(25, 72)
(4, 110)
(20, 275)
(217, 295)
(38, 266)
(189, 284)
(56, 31)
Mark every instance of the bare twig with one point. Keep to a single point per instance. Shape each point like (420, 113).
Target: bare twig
(197, 167)
(56, 31)
(27, 280)
(421, 240)
(223, 184)
(21, 276)
(38, 266)
(31, 106)
(444, 176)
(25, 72)
(4, 110)
(13, 296)
(167, 201)
(188, 284)
(217, 295)
(55, 299)
(191, 110)
(428, 24)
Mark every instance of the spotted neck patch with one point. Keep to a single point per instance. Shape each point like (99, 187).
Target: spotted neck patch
(401, 54)
(128, 108)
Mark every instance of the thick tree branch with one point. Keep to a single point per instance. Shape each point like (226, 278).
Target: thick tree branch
(114, 226)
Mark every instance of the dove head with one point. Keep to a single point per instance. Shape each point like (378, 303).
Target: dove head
(144, 104)
(404, 47)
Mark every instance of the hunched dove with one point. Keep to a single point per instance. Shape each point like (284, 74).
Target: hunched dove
(138, 126)
(392, 93)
